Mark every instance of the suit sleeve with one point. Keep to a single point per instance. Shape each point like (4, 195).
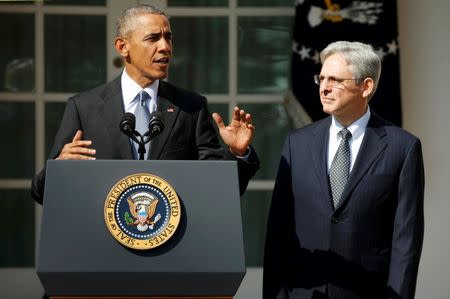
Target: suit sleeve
(69, 125)
(280, 236)
(207, 141)
(408, 230)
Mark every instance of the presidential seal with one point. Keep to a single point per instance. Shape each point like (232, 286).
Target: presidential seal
(142, 211)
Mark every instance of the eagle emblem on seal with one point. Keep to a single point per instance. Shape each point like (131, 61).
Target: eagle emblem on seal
(142, 207)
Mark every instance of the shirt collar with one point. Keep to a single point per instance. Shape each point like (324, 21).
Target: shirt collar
(357, 128)
(130, 89)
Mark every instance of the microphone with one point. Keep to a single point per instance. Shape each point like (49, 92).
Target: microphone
(127, 124)
(156, 124)
(128, 127)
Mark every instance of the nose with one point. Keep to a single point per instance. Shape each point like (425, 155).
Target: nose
(325, 86)
(165, 45)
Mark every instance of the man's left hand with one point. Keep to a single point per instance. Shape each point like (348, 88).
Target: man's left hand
(239, 133)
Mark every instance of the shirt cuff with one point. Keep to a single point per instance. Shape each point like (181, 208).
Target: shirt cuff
(246, 156)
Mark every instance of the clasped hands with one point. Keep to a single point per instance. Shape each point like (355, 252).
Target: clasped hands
(237, 136)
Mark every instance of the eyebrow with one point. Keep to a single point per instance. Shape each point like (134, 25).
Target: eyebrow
(333, 78)
(158, 35)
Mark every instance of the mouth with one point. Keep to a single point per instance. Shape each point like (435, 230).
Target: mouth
(162, 60)
(327, 100)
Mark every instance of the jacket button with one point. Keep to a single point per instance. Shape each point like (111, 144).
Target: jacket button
(334, 219)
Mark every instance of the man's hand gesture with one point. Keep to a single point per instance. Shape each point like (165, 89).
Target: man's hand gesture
(239, 133)
(77, 149)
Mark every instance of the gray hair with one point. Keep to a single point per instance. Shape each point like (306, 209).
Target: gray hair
(126, 19)
(361, 59)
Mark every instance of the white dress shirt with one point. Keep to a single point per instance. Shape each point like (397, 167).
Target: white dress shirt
(357, 128)
(130, 89)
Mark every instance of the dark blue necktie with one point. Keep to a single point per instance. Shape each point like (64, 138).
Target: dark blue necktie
(340, 167)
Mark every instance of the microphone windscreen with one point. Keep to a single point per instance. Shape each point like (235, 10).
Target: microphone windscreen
(128, 123)
(156, 123)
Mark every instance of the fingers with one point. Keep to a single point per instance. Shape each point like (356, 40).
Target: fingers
(77, 149)
(236, 113)
(71, 152)
(239, 116)
(242, 116)
(78, 136)
(218, 119)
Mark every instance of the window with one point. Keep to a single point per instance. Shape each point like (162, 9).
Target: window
(237, 52)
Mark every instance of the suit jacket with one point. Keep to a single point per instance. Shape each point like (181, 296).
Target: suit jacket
(370, 245)
(189, 133)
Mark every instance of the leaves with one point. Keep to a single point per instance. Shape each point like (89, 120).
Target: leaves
(128, 219)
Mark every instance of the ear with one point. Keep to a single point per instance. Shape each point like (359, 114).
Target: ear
(367, 87)
(121, 46)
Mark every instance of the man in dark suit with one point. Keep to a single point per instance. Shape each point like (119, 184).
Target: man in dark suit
(90, 125)
(346, 219)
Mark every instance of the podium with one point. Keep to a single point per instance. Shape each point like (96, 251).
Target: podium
(78, 257)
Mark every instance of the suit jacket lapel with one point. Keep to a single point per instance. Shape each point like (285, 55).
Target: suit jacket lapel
(170, 111)
(372, 146)
(319, 153)
(112, 114)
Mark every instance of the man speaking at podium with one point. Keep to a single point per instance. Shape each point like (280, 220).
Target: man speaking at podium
(90, 126)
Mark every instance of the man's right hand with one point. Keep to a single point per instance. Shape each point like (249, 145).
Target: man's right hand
(77, 149)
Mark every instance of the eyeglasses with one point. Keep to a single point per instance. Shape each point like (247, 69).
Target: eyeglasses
(333, 81)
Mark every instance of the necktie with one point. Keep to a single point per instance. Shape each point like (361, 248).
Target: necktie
(142, 114)
(340, 167)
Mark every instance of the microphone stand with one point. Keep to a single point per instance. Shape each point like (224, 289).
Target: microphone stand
(142, 142)
(141, 149)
